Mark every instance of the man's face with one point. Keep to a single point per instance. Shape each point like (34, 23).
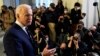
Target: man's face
(25, 17)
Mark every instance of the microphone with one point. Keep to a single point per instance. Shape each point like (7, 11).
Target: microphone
(95, 4)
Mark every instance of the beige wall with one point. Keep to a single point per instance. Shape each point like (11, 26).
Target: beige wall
(70, 3)
(99, 8)
(1, 3)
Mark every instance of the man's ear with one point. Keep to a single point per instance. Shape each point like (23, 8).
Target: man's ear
(17, 15)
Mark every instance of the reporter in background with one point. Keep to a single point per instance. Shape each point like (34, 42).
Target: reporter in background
(73, 47)
(17, 40)
(76, 14)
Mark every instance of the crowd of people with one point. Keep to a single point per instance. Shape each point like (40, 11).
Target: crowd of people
(55, 27)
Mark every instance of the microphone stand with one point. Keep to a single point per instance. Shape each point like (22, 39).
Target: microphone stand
(98, 13)
(96, 4)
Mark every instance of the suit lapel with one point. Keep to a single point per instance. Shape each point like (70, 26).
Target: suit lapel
(22, 31)
(26, 35)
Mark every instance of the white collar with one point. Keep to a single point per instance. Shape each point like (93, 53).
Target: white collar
(22, 26)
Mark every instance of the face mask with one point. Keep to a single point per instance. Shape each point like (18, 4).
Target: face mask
(65, 11)
(78, 8)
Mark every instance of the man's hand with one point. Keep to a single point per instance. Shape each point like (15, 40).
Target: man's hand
(48, 52)
(63, 46)
(76, 43)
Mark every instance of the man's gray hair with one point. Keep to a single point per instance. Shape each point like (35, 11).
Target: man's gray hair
(21, 8)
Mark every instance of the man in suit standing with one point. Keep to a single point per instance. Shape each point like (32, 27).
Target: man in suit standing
(17, 40)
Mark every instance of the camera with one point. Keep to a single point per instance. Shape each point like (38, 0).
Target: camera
(75, 37)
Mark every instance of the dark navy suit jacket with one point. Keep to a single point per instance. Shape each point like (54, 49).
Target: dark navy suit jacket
(18, 43)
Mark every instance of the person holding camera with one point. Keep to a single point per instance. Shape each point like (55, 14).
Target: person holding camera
(76, 13)
(73, 47)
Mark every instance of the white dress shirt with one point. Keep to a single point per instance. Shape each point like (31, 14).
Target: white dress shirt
(22, 26)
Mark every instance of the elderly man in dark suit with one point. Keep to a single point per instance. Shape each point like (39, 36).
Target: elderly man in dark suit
(17, 40)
